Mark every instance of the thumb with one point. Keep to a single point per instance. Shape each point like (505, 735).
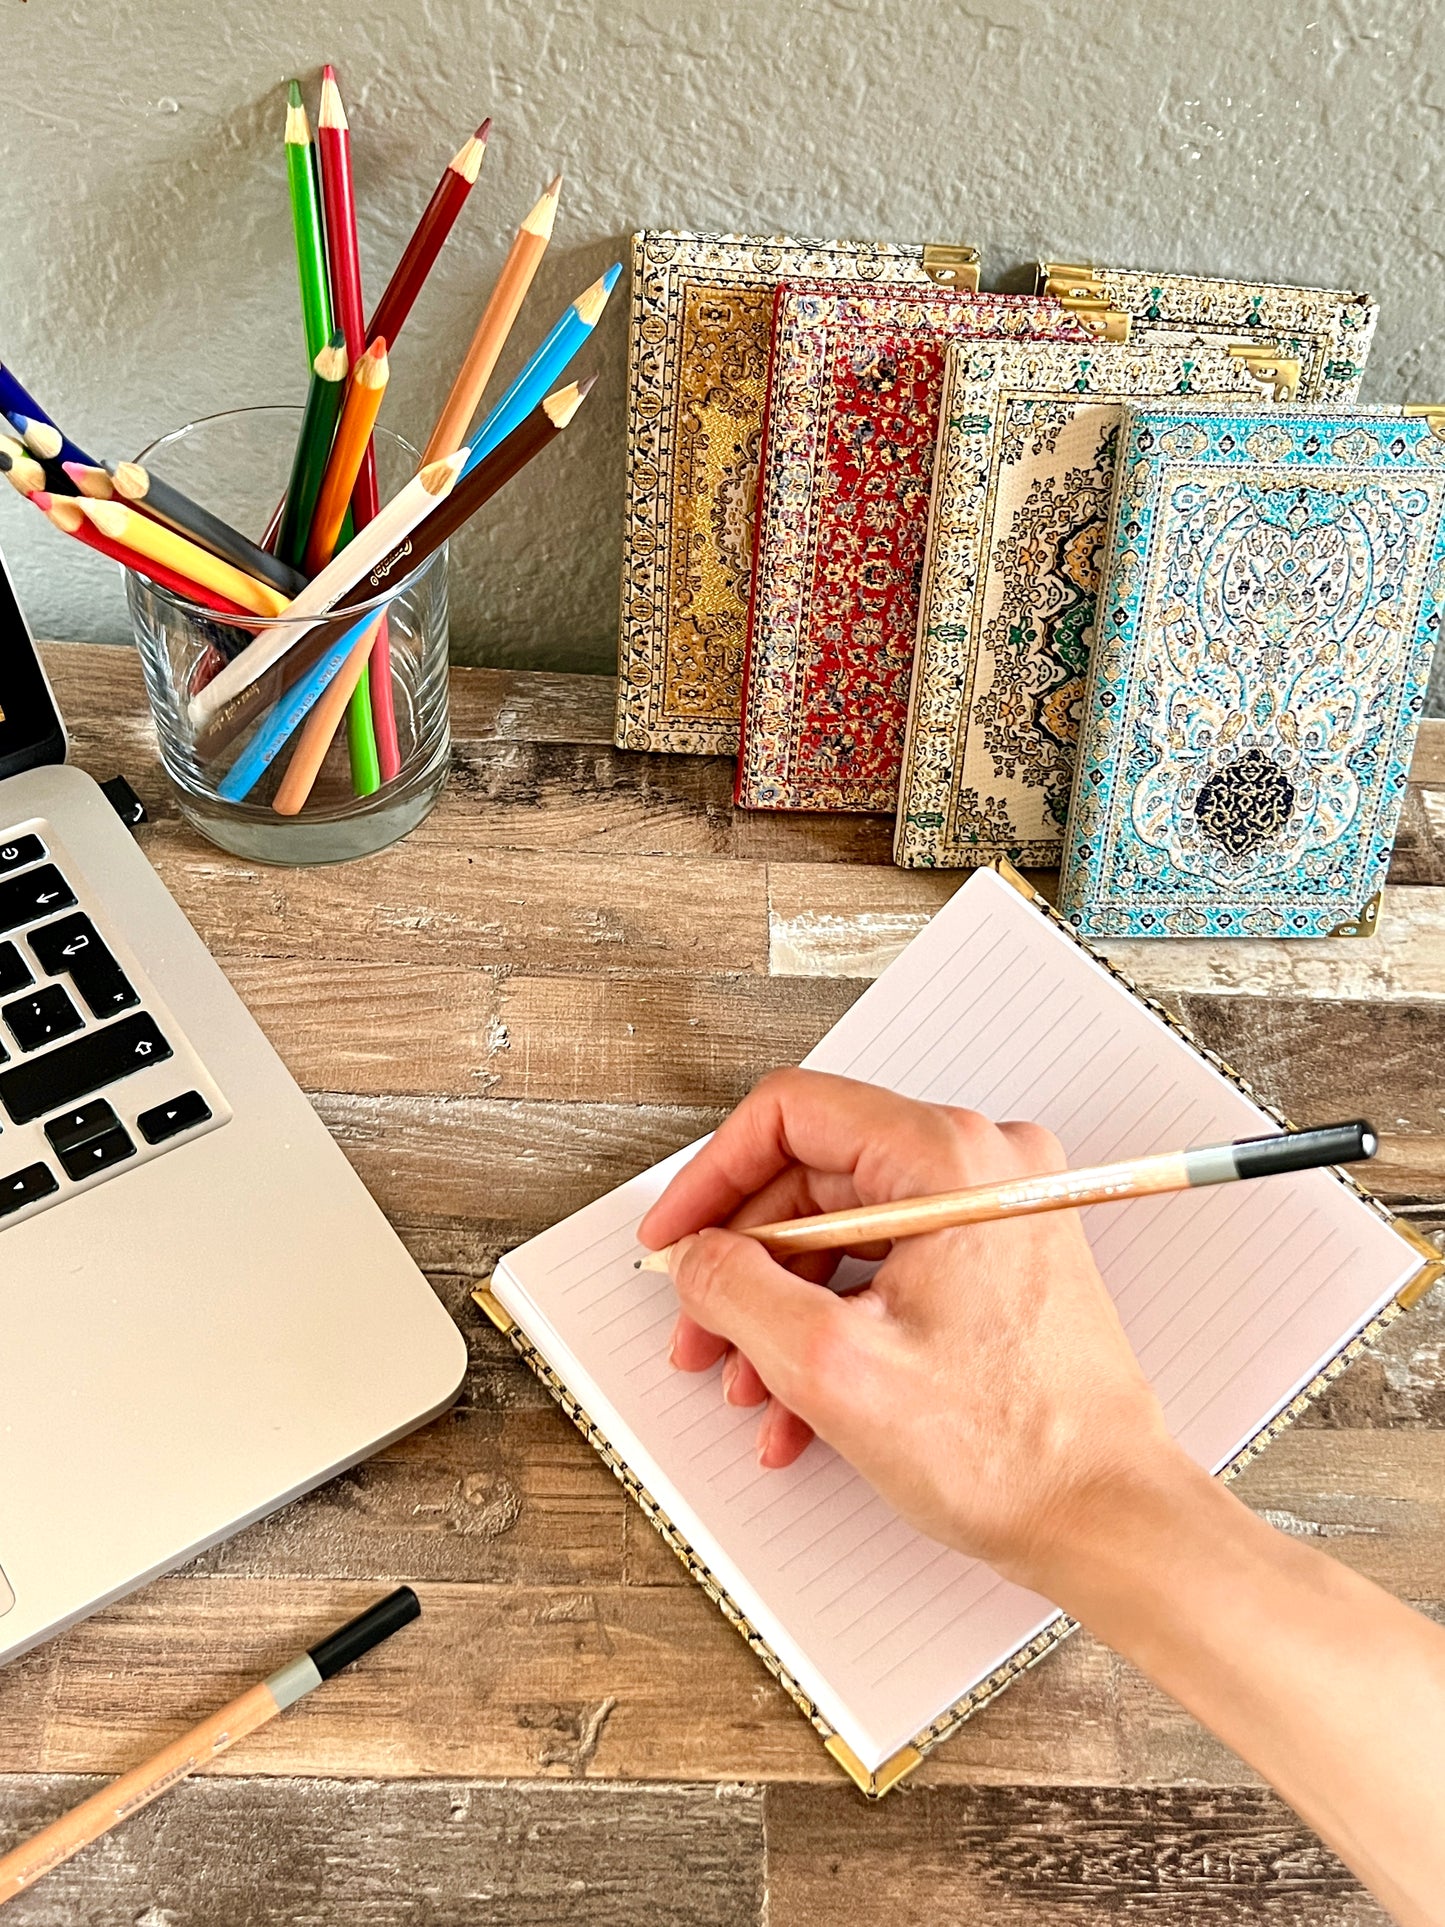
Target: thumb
(794, 1333)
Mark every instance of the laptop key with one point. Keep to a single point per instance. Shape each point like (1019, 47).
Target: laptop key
(79, 1126)
(98, 1154)
(14, 971)
(74, 948)
(24, 1187)
(19, 851)
(32, 895)
(41, 1017)
(183, 1113)
(76, 1070)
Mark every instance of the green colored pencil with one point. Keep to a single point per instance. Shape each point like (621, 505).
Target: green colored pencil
(302, 178)
(313, 445)
(361, 742)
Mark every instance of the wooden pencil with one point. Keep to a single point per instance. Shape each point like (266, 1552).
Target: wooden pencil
(147, 490)
(364, 391)
(1144, 1177)
(305, 193)
(41, 438)
(65, 513)
(321, 727)
(157, 543)
(94, 482)
(459, 177)
(112, 1804)
(499, 316)
(20, 469)
(373, 755)
(16, 399)
(324, 398)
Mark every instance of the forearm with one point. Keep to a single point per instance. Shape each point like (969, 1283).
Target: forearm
(1325, 1684)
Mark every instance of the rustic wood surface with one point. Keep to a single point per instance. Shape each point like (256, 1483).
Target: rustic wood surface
(573, 967)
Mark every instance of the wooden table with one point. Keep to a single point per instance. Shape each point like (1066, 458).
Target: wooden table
(575, 966)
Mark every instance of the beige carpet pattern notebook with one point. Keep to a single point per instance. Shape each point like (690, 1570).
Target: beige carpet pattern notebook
(1241, 1302)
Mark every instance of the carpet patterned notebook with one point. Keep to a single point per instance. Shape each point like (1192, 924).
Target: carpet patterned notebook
(852, 418)
(702, 315)
(1270, 606)
(1022, 476)
(1316, 338)
(1242, 1301)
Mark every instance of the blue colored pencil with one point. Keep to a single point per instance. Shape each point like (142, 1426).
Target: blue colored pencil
(539, 377)
(287, 716)
(16, 400)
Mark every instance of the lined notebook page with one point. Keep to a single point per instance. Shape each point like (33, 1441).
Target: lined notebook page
(1233, 1298)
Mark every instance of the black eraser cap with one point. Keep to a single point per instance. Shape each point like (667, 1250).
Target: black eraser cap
(1267, 1157)
(368, 1629)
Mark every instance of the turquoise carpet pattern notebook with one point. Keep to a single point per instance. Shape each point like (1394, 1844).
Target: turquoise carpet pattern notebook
(1268, 613)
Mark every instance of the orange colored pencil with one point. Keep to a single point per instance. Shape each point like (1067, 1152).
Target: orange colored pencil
(504, 304)
(322, 724)
(353, 437)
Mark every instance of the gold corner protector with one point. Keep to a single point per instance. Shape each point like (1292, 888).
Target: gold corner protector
(1069, 280)
(873, 1785)
(1432, 411)
(1280, 374)
(494, 1308)
(1430, 1272)
(952, 265)
(1012, 877)
(1364, 924)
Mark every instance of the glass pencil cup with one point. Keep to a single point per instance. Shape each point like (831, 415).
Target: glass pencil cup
(236, 464)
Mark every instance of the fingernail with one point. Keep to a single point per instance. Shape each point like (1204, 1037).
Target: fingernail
(672, 1350)
(729, 1377)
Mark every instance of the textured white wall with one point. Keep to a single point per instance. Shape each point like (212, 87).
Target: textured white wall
(145, 253)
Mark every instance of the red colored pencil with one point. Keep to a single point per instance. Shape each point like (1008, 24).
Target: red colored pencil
(333, 146)
(458, 179)
(62, 511)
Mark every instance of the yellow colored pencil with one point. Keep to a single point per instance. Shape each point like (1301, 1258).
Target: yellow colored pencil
(160, 544)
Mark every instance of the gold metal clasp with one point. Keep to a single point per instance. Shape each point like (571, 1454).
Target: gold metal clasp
(951, 266)
(1430, 411)
(1280, 373)
(1082, 292)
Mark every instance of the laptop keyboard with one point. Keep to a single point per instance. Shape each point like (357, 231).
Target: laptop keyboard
(95, 1078)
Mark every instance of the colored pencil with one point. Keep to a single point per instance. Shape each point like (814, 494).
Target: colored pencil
(20, 469)
(66, 515)
(55, 1844)
(324, 398)
(157, 543)
(1258, 1157)
(459, 176)
(166, 504)
(302, 182)
(278, 727)
(504, 304)
(364, 391)
(41, 438)
(372, 704)
(567, 335)
(94, 482)
(322, 724)
(392, 526)
(14, 399)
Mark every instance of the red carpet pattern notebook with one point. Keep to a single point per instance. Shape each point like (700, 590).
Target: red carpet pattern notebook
(1243, 1301)
(852, 415)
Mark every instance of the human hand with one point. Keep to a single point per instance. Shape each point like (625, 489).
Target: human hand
(981, 1381)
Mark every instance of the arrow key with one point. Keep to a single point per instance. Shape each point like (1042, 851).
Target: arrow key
(33, 894)
(97, 1154)
(183, 1113)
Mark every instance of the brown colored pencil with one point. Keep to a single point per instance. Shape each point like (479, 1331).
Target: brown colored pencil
(353, 437)
(869, 1224)
(438, 218)
(64, 1837)
(504, 304)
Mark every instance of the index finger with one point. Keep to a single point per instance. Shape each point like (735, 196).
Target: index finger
(887, 1143)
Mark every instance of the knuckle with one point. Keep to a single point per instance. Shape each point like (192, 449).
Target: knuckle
(1035, 1145)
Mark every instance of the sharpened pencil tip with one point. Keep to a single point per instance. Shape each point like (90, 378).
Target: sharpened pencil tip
(484, 132)
(331, 114)
(293, 94)
(590, 303)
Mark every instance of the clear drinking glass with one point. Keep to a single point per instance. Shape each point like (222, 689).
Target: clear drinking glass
(237, 464)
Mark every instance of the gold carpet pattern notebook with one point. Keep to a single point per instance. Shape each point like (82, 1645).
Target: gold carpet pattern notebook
(1021, 482)
(701, 323)
(1314, 339)
(1242, 1301)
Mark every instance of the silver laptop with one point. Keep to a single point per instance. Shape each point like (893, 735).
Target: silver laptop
(202, 1313)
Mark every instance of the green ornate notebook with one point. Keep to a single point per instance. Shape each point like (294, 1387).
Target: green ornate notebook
(1022, 477)
(1270, 606)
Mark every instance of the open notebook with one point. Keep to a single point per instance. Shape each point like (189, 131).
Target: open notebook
(1237, 1299)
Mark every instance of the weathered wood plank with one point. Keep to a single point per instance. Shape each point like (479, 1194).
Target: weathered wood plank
(1007, 1857)
(415, 1853)
(853, 920)
(441, 902)
(499, 1682)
